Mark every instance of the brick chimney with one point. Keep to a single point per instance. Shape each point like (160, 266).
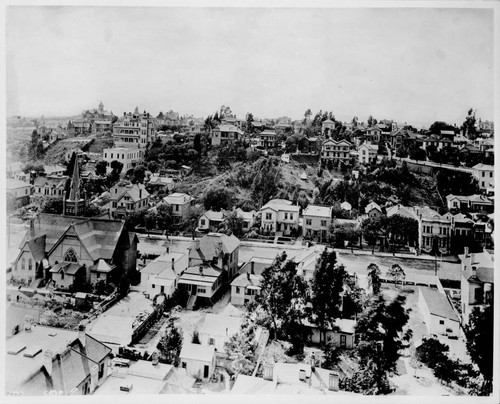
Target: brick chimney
(333, 381)
(81, 334)
(47, 360)
(466, 252)
(268, 371)
(27, 323)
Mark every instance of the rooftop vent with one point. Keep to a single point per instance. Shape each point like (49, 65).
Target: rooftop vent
(31, 352)
(15, 349)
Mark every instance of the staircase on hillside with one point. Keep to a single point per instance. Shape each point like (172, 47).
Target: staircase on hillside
(191, 301)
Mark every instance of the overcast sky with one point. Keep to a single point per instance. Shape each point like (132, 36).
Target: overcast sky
(413, 65)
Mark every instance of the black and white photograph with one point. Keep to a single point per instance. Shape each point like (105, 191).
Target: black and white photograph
(239, 199)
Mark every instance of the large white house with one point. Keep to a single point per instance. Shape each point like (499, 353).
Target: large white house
(279, 216)
(485, 175)
(317, 221)
(129, 157)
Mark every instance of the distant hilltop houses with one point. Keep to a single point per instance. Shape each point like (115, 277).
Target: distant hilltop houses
(159, 253)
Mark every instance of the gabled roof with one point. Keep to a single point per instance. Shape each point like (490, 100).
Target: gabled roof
(178, 198)
(69, 268)
(214, 216)
(482, 166)
(318, 211)
(98, 236)
(372, 205)
(230, 128)
(37, 248)
(213, 244)
(280, 204)
(55, 182)
(131, 190)
(197, 352)
(102, 266)
(245, 215)
(331, 141)
(244, 280)
(369, 146)
(15, 184)
(438, 303)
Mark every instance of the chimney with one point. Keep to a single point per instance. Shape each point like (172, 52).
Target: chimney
(268, 371)
(466, 252)
(173, 264)
(47, 361)
(333, 381)
(252, 266)
(27, 323)
(82, 334)
(155, 358)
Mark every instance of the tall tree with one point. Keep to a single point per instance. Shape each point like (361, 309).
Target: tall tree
(469, 126)
(380, 333)
(282, 297)
(235, 224)
(218, 198)
(396, 273)
(100, 167)
(170, 344)
(327, 287)
(374, 278)
(479, 335)
(240, 350)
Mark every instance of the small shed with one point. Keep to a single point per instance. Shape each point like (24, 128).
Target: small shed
(198, 360)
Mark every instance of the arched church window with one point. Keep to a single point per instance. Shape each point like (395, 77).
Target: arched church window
(70, 256)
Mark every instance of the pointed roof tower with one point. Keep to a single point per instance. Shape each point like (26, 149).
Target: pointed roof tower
(74, 192)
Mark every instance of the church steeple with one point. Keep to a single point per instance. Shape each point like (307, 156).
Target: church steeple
(74, 192)
(75, 205)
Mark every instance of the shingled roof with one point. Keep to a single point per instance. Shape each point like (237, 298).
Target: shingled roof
(98, 236)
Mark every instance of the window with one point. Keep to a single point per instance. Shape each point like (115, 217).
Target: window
(70, 256)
